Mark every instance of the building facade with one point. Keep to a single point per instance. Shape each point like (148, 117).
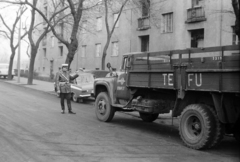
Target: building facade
(155, 25)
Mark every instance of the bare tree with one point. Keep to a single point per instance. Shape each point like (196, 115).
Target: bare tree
(73, 21)
(110, 31)
(75, 15)
(10, 33)
(35, 44)
(35, 39)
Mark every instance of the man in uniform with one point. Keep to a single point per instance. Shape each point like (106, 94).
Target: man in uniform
(64, 87)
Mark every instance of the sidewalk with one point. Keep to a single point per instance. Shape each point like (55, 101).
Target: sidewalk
(48, 87)
(37, 84)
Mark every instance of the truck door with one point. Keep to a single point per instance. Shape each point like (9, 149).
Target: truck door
(122, 91)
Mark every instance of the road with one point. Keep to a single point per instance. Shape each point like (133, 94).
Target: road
(32, 129)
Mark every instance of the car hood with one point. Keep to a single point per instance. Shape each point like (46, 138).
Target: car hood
(83, 87)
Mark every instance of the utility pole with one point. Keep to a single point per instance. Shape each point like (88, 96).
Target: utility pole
(19, 46)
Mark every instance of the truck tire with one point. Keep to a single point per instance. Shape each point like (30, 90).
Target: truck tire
(103, 109)
(220, 129)
(236, 132)
(197, 126)
(148, 117)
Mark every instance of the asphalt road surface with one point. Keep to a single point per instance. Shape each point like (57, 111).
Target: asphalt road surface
(32, 129)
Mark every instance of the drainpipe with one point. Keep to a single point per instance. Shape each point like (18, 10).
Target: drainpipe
(221, 19)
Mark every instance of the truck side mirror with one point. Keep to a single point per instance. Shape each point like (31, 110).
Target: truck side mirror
(108, 65)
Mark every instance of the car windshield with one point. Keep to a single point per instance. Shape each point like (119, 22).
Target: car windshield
(85, 79)
(3, 66)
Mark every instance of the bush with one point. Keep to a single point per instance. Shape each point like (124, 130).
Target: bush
(39, 77)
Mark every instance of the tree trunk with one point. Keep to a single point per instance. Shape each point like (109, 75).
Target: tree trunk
(105, 52)
(31, 66)
(72, 48)
(10, 66)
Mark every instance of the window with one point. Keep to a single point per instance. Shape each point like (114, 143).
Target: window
(98, 49)
(144, 43)
(43, 69)
(197, 38)
(114, 48)
(99, 23)
(145, 8)
(197, 3)
(61, 29)
(45, 11)
(60, 50)
(167, 23)
(84, 51)
(52, 41)
(44, 52)
(115, 18)
(235, 40)
(44, 40)
(62, 2)
(84, 26)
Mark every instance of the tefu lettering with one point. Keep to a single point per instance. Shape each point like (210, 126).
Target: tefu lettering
(168, 79)
(197, 78)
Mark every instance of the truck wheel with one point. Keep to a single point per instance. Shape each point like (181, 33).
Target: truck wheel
(220, 129)
(236, 132)
(74, 97)
(103, 109)
(197, 126)
(148, 117)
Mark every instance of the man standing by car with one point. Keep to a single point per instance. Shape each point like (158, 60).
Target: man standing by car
(64, 88)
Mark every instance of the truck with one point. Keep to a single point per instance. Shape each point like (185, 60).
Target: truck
(200, 86)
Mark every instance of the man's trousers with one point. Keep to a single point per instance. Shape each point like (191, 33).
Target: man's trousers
(66, 96)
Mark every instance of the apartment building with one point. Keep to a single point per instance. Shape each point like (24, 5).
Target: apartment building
(155, 25)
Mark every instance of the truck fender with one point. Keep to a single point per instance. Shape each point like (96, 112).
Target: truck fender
(104, 87)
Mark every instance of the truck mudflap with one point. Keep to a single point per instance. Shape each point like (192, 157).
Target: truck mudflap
(227, 107)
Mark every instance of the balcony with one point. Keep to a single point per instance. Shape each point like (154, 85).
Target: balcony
(195, 14)
(143, 23)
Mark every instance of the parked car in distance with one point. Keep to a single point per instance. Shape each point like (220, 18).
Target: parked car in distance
(4, 70)
(82, 88)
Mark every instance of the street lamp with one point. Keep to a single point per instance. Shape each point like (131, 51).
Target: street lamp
(19, 45)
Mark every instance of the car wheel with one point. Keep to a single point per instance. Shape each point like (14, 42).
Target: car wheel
(148, 117)
(74, 97)
(103, 109)
(197, 126)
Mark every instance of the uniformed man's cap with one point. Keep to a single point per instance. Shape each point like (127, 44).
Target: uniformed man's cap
(64, 65)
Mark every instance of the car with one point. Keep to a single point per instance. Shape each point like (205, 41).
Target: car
(4, 70)
(82, 87)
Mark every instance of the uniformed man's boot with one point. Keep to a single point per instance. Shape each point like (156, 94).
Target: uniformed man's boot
(63, 110)
(70, 109)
